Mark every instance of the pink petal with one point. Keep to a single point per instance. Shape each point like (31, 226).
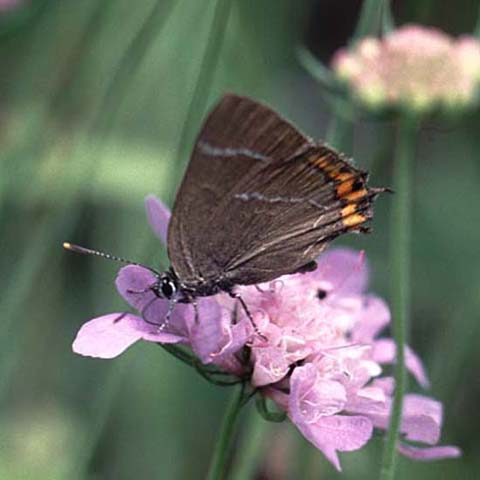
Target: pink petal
(429, 453)
(270, 365)
(345, 433)
(421, 416)
(421, 419)
(345, 269)
(387, 384)
(237, 337)
(338, 432)
(313, 397)
(331, 455)
(110, 335)
(134, 285)
(371, 319)
(384, 351)
(158, 215)
(311, 404)
(214, 337)
(279, 397)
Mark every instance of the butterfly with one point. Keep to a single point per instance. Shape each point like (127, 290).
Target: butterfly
(258, 200)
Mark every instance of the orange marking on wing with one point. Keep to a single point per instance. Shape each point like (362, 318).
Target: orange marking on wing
(342, 177)
(330, 169)
(356, 195)
(348, 210)
(320, 162)
(353, 220)
(350, 218)
(344, 188)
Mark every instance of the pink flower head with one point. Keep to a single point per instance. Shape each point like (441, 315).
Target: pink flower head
(321, 361)
(6, 5)
(415, 67)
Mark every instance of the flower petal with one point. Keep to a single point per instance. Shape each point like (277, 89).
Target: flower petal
(338, 432)
(110, 335)
(345, 433)
(311, 404)
(421, 416)
(429, 453)
(133, 282)
(371, 319)
(345, 269)
(313, 397)
(384, 351)
(211, 335)
(270, 365)
(158, 215)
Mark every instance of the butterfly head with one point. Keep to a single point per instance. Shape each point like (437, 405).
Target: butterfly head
(166, 286)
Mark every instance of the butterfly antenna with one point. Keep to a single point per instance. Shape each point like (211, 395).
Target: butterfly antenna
(71, 247)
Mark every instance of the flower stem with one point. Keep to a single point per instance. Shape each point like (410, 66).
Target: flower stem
(252, 447)
(369, 21)
(220, 455)
(339, 133)
(476, 30)
(400, 274)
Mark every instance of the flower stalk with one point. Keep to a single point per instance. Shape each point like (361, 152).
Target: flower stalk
(370, 18)
(252, 447)
(220, 455)
(400, 274)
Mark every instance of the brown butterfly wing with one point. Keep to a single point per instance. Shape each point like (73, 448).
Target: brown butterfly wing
(239, 137)
(259, 199)
(282, 217)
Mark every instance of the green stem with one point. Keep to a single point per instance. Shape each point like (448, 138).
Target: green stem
(320, 72)
(252, 447)
(387, 21)
(208, 372)
(221, 453)
(369, 21)
(476, 30)
(340, 130)
(400, 274)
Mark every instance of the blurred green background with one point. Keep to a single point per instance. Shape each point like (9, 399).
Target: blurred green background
(99, 105)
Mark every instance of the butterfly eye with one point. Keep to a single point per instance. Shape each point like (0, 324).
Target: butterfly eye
(167, 287)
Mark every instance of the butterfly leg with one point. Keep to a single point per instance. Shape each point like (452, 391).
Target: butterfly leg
(166, 320)
(120, 317)
(145, 308)
(144, 311)
(145, 290)
(238, 297)
(195, 309)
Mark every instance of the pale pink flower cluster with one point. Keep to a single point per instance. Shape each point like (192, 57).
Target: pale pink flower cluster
(414, 67)
(322, 358)
(9, 4)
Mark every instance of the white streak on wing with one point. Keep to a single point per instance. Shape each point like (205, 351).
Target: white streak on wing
(263, 198)
(213, 151)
